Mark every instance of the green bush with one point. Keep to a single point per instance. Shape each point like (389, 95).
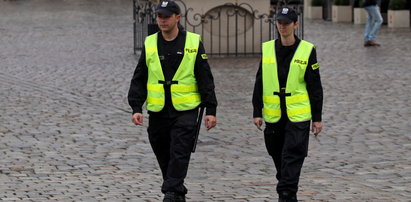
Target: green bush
(397, 5)
(316, 2)
(358, 3)
(341, 2)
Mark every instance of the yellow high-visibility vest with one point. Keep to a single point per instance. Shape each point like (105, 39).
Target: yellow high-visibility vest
(297, 100)
(184, 90)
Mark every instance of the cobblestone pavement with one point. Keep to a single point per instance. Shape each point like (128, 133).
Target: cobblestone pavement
(66, 135)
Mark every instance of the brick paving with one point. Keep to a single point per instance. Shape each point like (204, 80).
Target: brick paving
(66, 135)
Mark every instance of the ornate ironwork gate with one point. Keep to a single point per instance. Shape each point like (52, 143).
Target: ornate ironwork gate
(228, 29)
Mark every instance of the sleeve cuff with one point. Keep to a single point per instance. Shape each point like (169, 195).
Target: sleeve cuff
(257, 113)
(211, 111)
(138, 110)
(316, 117)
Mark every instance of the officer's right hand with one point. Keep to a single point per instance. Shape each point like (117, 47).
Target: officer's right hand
(137, 119)
(210, 122)
(258, 122)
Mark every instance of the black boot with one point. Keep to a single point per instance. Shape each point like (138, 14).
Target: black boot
(174, 197)
(180, 198)
(169, 197)
(281, 198)
(287, 197)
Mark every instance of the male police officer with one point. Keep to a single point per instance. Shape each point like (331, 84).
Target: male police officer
(173, 78)
(288, 91)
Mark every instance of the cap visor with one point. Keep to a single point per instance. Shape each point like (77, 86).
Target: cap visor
(283, 19)
(165, 12)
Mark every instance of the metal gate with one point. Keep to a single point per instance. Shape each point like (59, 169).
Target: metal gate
(228, 29)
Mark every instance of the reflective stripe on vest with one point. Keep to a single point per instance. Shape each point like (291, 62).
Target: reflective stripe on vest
(184, 90)
(297, 101)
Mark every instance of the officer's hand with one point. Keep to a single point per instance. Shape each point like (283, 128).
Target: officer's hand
(317, 127)
(258, 122)
(137, 119)
(210, 122)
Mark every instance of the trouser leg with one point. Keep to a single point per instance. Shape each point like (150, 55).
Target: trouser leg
(376, 23)
(294, 151)
(368, 24)
(158, 133)
(274, 140)
(181, 143)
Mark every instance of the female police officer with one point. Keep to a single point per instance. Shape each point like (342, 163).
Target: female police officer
(288, 92)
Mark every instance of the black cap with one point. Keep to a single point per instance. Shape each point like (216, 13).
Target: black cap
(168, 8)
(287, 15)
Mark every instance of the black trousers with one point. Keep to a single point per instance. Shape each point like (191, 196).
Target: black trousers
(287, 144)
(172, 140)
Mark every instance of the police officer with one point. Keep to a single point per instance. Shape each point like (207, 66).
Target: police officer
(288, 92)
(173, 78)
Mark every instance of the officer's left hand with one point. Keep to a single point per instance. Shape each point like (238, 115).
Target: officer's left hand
(210, 121)
(317, 127)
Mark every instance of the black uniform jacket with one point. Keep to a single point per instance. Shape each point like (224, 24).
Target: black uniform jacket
(284, 55)
(171, 53)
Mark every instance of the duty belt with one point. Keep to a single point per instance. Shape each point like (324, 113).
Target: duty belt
(282, 93)
(167, 83)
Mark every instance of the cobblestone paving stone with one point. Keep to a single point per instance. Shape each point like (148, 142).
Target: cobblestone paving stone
(66, 135)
